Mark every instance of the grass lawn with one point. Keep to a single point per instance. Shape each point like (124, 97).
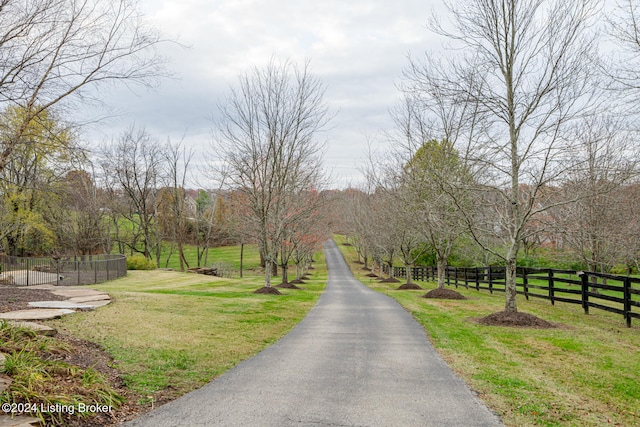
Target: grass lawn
(229, 255)
(172, 332)
(586, 372)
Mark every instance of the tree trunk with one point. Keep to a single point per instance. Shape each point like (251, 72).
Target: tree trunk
(442, 271)
(510, 285)
(407, 273)
(285, 273)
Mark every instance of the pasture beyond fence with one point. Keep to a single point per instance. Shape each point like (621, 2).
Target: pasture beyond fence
(612, 293)
(74, 270)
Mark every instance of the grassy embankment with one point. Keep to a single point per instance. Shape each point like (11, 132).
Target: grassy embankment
(585, 372)
(172, 332)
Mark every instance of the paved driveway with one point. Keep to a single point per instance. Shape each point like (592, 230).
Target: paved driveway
(357, 359)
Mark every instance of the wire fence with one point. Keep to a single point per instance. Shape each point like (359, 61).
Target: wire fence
(75, 270)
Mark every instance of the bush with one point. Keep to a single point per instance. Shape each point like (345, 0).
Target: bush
(139, 262)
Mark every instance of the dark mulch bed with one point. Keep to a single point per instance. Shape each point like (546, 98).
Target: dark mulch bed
(14, 298)
(408, 286)
(371, 275)
(289, 285)
(517, 319)
(80, 353)
(298, 282)
(443, 293)
(267, 290)
(390, 280)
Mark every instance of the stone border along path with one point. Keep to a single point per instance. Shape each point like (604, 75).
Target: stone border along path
(357, 359)
(78, 299)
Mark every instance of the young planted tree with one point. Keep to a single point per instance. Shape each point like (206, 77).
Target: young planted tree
(524, 70)
(266, 135)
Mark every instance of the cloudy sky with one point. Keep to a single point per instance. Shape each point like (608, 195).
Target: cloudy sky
(357, 48)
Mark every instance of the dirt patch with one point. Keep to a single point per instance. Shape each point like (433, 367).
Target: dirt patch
(444, 293)
(289, 285)
(85, 354)
(390, 280)
(408, 286)
(14, 298)
(270, 290)
(515, 319)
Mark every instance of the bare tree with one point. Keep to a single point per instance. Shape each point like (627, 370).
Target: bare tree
(624, 25)
(593, 226)
(525, 70)
(53, 53)
(133, 165)
(176, 222)
(267, 136)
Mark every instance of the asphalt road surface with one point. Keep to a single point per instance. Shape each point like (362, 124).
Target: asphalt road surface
(357, 359)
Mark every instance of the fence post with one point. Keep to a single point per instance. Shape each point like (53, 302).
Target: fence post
(627, 301)
(446, 273)
(585, 291)
(466, 280)
(490, 281)
(477, 279)
(455, 272)
(551, 288)
(525, 283)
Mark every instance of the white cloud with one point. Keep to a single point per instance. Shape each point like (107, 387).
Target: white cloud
(357, 48)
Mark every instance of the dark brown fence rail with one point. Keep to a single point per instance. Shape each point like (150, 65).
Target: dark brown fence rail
(616, 294)
(77, 270)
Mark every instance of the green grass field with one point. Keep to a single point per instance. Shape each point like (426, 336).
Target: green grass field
(172, 332)
(585, 372)
(228, 255)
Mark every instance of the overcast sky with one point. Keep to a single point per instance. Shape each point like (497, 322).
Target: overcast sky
(358, 48)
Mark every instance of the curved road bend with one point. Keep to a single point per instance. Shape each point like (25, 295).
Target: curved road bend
(357, 359)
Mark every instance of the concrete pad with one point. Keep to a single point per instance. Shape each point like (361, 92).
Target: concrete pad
(24, 277)
(19, 421)
(72, 293)
(90, 298)
(100, 303)
(36, 314)
(61, 304)
(36, 327)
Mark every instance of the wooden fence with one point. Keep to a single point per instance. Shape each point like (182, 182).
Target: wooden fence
(616, 294)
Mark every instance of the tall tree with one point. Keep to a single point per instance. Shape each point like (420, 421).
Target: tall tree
(132, 167)
(55, 52)
(267, 137)
(45, 152)
(525, 70)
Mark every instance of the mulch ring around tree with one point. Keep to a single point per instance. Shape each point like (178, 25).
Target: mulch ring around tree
(389, 280)
(515, 319)
(14, 298)
(408, 286)
(289, 285)
(444, 293)
(267, 290)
